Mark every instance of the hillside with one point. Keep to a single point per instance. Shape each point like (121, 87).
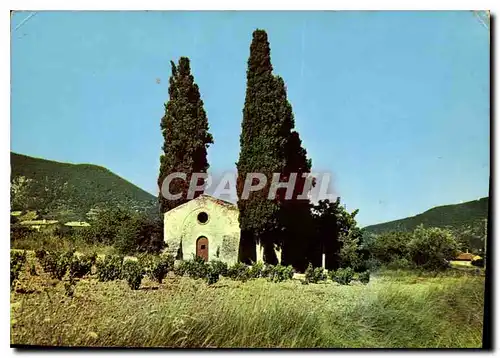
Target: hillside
(70, 191)
(466, 220)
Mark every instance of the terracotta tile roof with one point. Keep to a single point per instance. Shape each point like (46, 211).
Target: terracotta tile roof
(465, 256)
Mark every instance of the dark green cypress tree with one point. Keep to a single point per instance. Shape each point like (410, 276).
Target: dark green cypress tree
(268, 145)
(262, 142)
(185, 131)
(296, 216)
(295, 219)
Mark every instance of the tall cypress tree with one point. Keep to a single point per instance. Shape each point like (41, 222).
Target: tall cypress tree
(268, 145)
(261, 149)
(185, 131)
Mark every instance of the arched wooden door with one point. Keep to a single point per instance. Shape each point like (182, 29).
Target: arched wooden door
(202, 248)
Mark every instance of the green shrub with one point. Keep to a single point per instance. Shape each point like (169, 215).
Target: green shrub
(281, 273)
(62, 264)
(33, 270)
(343, 276)
(133, 273)
(69, 287)
(159, 267)
(40, 254)
(239, 271)
(212, 276)
(197, 268)
(219, 267)
(477, 262)
(92, 258)
(47, 260)
(110, 268)
(19, 232)
(81, 266)
(364, 277)
(181, 268)
(314, 275)
(17, 260)
(56, 264)
(256, 270)
(18, 256)
(267, 271)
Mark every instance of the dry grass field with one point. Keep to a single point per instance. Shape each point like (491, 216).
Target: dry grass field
(395, 309)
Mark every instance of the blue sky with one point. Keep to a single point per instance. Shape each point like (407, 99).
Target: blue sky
(394, 104)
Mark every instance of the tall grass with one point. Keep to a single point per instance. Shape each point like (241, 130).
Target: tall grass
(427, 312)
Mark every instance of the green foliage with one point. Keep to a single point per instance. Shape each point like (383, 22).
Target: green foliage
(18, 231)
(424, 248)
(69, 287)
(33, 270)
(337, 235)
(349, 249)
(47, 260)
(185, 131)
(364, 277)
(139, 234)
(69, 191)
(391, 246)
(281, 273)
(219, 267)
(256, 270)
(239, 271)
(314, 275)
(133, 273)
(109, 268)
(159, 267)
(197, 267)
(17, 260)
(265, 147)
(342, 276)
(181, 268)
(56, 264)
(267, 271)
(40, 254)
(81, 266)
(478, 262)
(62, 263)
(212, 276)
(431, 248)
(401, 263)
(466, 221)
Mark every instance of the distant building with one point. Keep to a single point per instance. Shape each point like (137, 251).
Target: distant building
(465, 256)
(77, 224)
(40, 224)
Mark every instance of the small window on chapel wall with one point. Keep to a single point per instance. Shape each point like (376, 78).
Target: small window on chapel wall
(202, 217)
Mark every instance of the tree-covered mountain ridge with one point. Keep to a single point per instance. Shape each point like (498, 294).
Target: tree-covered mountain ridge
(466, 220)
(68, 191)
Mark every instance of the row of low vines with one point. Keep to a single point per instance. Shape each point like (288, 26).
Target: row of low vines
(70, 267)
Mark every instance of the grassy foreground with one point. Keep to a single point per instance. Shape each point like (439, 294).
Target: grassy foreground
(394, 310)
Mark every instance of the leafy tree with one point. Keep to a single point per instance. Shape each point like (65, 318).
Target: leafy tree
(106, 226)
(337, 235)
(431, 248)
(390, 246)
(185, 131)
